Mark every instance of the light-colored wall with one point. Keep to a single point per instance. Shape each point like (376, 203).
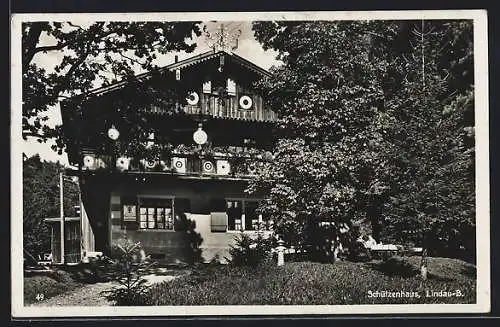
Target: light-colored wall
(171, 243)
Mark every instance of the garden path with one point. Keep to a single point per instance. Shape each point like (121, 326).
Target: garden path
(90, 294)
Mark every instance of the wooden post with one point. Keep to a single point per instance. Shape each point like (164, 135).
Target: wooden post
(83, 227)
(61, 210)
(281, 253)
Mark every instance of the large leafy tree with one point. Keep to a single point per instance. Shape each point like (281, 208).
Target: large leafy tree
(41, 200)
(90, 55)
(375, 124)
(327, 95)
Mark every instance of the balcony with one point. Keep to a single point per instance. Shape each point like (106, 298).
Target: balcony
(210, 105)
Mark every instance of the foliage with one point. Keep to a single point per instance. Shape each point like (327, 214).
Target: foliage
(98, 270)
(41, 200)
(47, 286)
(398, 266)
(427, 142)
(306, 283)
(376, 124)
(91, 54)
(352, 248)
(128, 269)
(251, 251)
(192, 239)
(326, 96)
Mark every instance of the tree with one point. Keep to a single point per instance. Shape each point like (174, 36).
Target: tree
(376, 123)
(98, 53)
(41, 200)
(428, 141)
(326, 96)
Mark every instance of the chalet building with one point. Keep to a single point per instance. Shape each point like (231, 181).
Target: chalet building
(183, 194)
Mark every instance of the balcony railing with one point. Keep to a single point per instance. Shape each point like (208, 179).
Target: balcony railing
(210, 105)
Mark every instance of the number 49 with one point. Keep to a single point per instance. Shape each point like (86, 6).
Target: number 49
(39, 297)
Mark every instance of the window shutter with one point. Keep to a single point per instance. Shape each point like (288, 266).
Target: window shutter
(218, 217)
(218, 222)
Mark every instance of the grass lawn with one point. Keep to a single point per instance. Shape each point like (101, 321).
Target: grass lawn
(315, 283)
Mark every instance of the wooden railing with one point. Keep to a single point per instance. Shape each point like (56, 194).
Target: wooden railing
(211, 105)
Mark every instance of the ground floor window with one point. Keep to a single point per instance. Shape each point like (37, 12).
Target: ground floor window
(234, 210)
(242, 214)
(156, 213)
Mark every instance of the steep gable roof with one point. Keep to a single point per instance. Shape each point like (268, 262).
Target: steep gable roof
(192, 61)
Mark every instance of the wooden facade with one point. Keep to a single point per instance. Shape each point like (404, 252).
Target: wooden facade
(188, 202)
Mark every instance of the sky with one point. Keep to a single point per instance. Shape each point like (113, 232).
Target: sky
(248, 48)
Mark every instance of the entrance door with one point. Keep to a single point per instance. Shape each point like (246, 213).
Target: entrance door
(72, 242)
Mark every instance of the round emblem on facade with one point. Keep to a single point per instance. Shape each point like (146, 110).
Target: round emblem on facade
(208, 166)
(246, 102)
(123, 163)
(150, 164)
(193, 98)
(200, 136)
(88, 161)
(179, 164)
(113, 133)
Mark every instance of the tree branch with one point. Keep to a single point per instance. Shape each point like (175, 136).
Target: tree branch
(131, 59)
(74, 25)
(31, 40)
(58, 46)
(26, 134)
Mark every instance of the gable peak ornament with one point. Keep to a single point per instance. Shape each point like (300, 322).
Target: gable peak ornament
(222, 39)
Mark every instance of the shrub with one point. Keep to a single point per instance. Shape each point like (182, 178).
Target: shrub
(250, 251)
(99, 269)
(37, 288)
(398, 266)
(62, 276)
(357, 252)
(128, 269)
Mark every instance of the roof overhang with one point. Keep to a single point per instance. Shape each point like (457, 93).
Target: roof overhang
(231, 58)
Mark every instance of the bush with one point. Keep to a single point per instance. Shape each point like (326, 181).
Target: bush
(128, 270)
(251, 252)
(398, 266)
(357, 252)
(62, 276)
(99, 269)
(37, 288)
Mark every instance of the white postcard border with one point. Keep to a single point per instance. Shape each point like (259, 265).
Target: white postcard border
(482, 170)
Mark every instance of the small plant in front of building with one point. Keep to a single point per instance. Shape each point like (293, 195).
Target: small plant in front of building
(128, 269)
(251, 251)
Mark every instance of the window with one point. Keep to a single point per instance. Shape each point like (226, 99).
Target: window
(156, 214)
(243, 215)
(207, 87)
(251, 216)
(234, 212)
(231, 87)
